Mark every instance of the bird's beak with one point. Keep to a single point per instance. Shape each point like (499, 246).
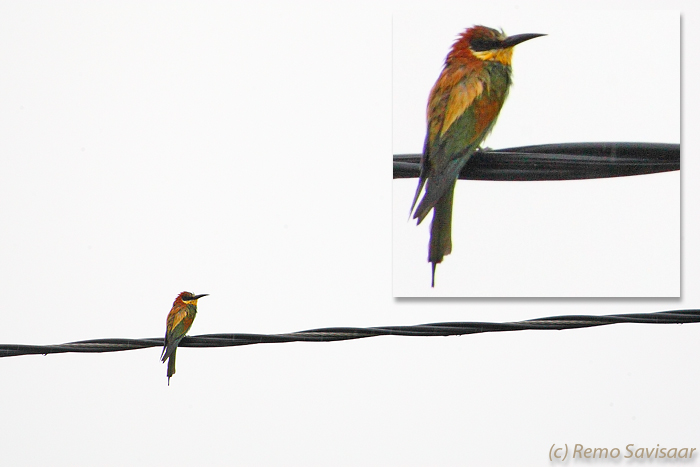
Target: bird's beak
(197, 297)
(512, 41)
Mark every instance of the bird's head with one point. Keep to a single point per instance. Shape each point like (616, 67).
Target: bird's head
(487, 45)
(189, 298)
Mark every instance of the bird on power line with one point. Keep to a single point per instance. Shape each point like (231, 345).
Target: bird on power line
(179, 321)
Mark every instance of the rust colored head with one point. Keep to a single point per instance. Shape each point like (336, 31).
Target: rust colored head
(188, 298)
(483, 44)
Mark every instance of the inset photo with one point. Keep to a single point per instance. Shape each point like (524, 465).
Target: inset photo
(536, 154)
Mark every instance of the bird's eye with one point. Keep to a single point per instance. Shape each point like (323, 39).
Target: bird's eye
(483, 44)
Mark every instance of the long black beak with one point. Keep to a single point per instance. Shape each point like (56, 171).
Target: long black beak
(197, 297)
(512, 41)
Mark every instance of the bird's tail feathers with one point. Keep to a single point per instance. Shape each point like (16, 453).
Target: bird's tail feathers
(441, 230)
(171, 365)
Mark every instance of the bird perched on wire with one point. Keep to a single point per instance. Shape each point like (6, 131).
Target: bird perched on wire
(178, 323)
(462, 109)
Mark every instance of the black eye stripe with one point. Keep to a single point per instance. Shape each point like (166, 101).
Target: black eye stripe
(482, 45)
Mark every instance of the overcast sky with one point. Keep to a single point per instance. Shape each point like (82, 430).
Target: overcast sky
(153, 147)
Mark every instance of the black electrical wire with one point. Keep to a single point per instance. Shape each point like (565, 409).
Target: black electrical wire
(567, 161)
(347, 333)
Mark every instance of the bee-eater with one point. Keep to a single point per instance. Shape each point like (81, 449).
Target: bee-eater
(462, 109)
(178, 323)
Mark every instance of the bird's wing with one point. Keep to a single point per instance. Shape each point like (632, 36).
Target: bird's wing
(453, 93)
(459, 98)
(165, 345)
(453, 110)
(178, 323)
(179, 318)
(461, 106)
(169, 348)
(423, 176)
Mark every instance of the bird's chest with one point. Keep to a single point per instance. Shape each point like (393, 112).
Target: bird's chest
(496, 80)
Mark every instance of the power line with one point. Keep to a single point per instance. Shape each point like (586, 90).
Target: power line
(348, 333)
(566, 161)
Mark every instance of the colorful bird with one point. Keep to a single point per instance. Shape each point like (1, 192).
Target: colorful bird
(178, 323)
(462, 109)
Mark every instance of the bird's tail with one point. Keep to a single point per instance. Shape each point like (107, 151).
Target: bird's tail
(171, 365)
(441, 229)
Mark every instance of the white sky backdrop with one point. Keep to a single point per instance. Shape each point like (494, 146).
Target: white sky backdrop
(590, 79)
(150, 148)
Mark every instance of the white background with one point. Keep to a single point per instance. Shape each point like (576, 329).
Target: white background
(150, 148)
(590, 79)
